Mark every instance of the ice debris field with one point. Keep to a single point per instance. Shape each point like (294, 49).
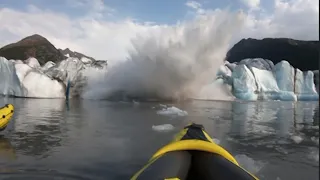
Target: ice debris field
(250, 79)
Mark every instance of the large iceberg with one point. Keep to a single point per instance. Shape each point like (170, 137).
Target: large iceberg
(26, 80)
(259, 79)
(29, 79)
(9, 81)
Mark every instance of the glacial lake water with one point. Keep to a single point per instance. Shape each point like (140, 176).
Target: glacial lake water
(86, 139)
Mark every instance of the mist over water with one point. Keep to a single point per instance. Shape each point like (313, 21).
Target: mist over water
(171, 62)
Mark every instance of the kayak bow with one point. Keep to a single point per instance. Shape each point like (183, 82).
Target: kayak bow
(193, 155)
(6, 113)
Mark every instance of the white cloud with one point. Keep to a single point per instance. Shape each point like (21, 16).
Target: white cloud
(103, 39)
(193, 4)
(252, 4)
(92, 8)
(297, 19)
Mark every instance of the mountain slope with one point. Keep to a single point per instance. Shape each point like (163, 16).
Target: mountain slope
(300, 54)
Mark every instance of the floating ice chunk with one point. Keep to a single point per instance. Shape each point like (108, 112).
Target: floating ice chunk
(163, 127)
(248, 163)
(217, 141)
(297, 139)
(172, 111)
(244, 84)
(33, 62)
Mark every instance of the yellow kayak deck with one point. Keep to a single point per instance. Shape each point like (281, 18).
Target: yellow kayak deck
(6, 113)
(192, 155)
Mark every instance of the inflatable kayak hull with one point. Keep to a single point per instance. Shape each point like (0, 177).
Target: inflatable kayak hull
(192, 155)
(6, 113)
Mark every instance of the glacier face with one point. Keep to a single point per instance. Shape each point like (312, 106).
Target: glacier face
(9, 81)
(284, 74)
(28, 79)
(244, 84)
(259, 79)
(304, 86)
(250, 79)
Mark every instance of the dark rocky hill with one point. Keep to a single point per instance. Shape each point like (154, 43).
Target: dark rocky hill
(38, 47)
(32, 46)
(300, 54)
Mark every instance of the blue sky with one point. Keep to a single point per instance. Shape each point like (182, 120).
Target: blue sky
(158, 11)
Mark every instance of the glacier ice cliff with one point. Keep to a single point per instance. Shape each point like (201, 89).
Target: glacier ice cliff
(249, 79)
(28, 79)
(9, 81)
(260, 79)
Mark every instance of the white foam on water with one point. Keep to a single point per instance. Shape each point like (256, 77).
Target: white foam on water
(163, 127)
(169, 111)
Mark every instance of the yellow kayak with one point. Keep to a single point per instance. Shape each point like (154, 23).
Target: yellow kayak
(6, 113)
(192, 155)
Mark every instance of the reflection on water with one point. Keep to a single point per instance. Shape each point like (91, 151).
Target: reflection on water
(7, 151)
(100, 139)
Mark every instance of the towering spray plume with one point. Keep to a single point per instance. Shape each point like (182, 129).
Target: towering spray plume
(172, 62)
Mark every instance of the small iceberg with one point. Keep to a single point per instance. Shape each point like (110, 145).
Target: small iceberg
(248, 163)
(297, 139)
(169, 111)
(163, 127)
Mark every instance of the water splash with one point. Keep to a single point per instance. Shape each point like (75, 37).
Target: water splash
(171, 62)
